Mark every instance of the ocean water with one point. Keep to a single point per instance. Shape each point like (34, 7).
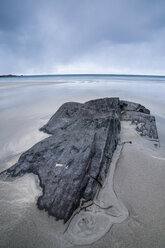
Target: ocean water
(27, 103)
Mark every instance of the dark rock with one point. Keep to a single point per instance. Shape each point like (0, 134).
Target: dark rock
(132, 106)
(71, 163)
(145, 123)
(69, 113)
(74, 160)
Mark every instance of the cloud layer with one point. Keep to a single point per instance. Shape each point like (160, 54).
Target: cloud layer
(88, 36)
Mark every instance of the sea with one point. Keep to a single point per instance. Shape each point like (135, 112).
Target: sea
(26, 104)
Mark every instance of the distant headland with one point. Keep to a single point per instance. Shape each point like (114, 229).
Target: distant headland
(11, 75)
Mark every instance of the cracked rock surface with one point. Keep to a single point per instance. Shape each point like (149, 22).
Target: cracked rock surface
(140, 116)
(75, 159)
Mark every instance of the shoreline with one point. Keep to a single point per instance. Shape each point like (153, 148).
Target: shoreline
(84, 75)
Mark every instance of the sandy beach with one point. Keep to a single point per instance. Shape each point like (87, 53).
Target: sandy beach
(138, 178)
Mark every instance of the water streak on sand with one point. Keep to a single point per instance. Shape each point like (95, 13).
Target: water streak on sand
(158, 158)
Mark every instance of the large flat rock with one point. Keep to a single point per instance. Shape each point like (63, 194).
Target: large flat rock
(75, 159)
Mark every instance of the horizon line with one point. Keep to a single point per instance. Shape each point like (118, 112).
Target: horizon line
(82, 74)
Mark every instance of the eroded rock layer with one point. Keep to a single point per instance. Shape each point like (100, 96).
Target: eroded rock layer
(140, 116)
(74, 160)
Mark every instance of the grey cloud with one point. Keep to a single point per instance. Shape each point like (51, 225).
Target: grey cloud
(37, 36)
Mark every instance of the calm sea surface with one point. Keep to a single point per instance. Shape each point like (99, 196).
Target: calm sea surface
(26, 103)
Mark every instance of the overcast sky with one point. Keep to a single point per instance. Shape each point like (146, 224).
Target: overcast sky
(82, 36)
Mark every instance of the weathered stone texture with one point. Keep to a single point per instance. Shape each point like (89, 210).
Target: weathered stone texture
(74, 160)
(140, 116)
